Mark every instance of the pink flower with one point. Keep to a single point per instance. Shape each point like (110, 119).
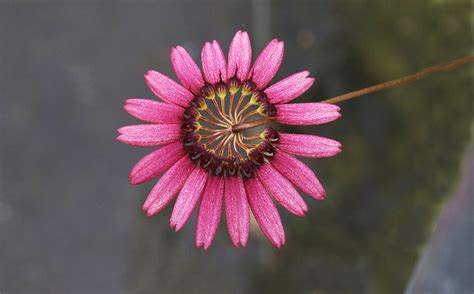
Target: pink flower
(204, 158)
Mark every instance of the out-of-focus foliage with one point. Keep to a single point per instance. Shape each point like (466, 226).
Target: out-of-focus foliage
(402, 148)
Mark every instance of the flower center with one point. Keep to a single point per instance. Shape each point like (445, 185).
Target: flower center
(211, 134)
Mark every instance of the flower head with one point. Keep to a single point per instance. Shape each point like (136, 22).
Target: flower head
(210, 153)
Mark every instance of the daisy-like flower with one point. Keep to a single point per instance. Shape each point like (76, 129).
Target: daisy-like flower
(210, 153)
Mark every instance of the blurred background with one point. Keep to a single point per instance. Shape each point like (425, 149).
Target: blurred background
(399, 212)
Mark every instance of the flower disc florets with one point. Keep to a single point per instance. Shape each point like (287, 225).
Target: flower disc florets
(208, 129)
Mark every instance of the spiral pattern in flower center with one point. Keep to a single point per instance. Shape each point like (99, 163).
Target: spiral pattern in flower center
(209, 135)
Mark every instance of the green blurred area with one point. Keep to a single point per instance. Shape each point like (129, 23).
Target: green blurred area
(402, 149)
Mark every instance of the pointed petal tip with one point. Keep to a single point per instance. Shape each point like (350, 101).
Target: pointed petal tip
(130, 101)
(301, 211)
(301, 214)
(305, 74)
(239, 33)
(305, 208)
(239, 243)
(148, 77)
(204, 245)
(148, 212)
(244, 35)
(150, 72)
(127, 107)
(178, 227)
(172, 225)
(273, 41)
(278, 243)
(133, 181)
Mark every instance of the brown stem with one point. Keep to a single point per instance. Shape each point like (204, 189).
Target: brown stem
(427, 71)
(416, 76)
(250, 125)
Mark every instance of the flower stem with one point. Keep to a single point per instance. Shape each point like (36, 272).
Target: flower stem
(379, 87)
(421, 74)
(250, 125)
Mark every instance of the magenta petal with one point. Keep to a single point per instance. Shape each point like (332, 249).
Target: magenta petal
(154, 111)
(186, 69)
(155, 163)
(210, 211)
(265, 212)
(168, 186)
(237, 211)
(303, 114)
(188, 198)
(281, 189)
(167, 89)
(267, 63)
(214, 65)
(289, 88)
(299, 174)
(149, 134)
(240, 56)
(308, 145)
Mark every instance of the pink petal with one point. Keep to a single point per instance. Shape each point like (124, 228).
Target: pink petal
(237, 211)
(299, 174)
(267, 64)
(281, 189)
(154, 111)
(213, 63)
(308, 145)
(289, 88)
(149, 134)
(167, 89)
(210, 211)
(303, 114)
(168, 186)
(155, 163)
(186, 69)
(188, 197)
(265, 212)
(240, 56)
